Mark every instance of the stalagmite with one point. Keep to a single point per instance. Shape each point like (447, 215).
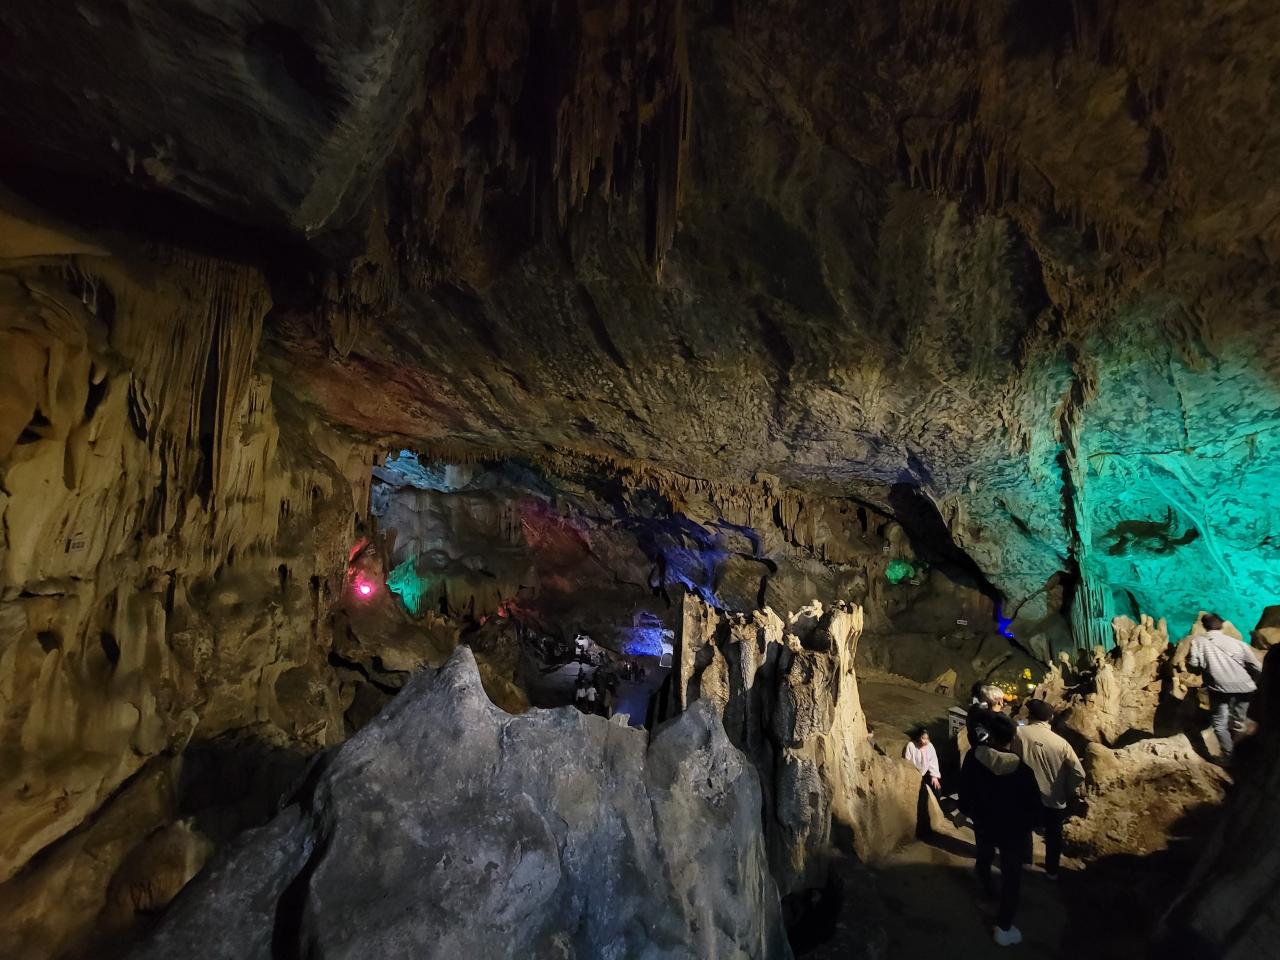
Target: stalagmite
(701, 398)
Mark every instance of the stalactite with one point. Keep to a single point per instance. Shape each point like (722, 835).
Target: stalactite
(571, 101)
(357, 295)
(670, 140)
(960, 157)
(1090, 615)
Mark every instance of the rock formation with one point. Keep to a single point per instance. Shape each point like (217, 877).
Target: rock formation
(1138, 687)
(1267, 634)
(788, 695)
(448, 828)
(1027, 268)
(1142, 796)
(169, 548)
(748, 300)
(1133, 714)
(1228, 908)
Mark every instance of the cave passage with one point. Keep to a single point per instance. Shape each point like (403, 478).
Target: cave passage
(581, 594)
(515, 479)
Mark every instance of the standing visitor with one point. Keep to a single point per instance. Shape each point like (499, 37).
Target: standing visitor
(1058, 774)
(998, 793)
(987, 699)
(1231, 670)
(924, 757)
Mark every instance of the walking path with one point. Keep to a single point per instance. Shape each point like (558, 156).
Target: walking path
(922, 902)
(555, 687)
(930, 897)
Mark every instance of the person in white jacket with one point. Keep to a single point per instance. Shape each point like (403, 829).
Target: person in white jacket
(1231, 670)
(924, 757)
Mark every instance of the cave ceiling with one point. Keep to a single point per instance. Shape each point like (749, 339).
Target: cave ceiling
(1018, 256)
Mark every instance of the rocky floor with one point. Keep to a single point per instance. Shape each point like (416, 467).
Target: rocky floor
(1104, 910)
(894, 706)
(924, 896)
(922, 902)
(931, 903)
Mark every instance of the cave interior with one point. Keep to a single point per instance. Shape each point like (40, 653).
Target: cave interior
(509, 479)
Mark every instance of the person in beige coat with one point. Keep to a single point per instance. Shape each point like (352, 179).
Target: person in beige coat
(1059, 776)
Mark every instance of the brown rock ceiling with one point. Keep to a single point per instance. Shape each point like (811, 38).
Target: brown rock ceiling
(1016, 260)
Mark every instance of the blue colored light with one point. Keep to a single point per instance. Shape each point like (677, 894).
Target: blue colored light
(1002, 622)
(647, 637)
(643, 642)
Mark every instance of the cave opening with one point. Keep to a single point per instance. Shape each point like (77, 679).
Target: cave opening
(554, 579)
(933, 541)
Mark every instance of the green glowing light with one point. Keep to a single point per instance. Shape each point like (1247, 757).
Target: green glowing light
(405, 583)
(899, 570)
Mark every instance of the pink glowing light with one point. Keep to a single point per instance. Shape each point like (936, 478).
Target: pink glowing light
(364, 588)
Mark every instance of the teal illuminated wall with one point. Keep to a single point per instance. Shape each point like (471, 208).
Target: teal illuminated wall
(1182, 490)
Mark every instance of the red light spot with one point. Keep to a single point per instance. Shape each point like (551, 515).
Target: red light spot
(364, 588)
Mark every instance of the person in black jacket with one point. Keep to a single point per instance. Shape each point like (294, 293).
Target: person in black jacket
(987, 699)
(998, 793)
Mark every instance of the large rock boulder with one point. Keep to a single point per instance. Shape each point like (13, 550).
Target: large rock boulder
(1267, 634)
(447, 828)
(1142, 796)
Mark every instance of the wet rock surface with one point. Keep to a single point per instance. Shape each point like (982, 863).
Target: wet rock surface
(448, 828)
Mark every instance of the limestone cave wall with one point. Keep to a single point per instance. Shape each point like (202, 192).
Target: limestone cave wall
(742, 300)
(172, 539)
(989, 256)
(580, 544)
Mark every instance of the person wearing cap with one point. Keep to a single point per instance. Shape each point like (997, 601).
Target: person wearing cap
(1058, 772)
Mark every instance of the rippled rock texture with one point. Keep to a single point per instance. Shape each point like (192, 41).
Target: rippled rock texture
(985, 286)
(448, 828)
